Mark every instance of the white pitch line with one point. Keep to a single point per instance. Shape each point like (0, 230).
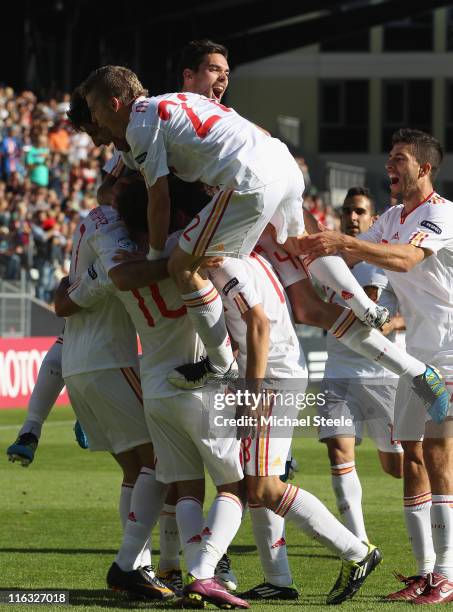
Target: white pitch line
(51, 424)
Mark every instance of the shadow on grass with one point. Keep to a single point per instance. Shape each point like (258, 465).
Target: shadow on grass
(65, 551)
(240, 549)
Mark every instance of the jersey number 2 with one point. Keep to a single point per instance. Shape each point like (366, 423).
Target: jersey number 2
(201, 128)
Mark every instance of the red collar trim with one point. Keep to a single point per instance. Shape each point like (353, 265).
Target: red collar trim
(404, 214)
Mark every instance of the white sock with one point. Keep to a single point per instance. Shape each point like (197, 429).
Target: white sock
(124, 508)
(125, 502)
(348, 491)
(333, 272)
(170, 544)
(45, 392)
(145, 557)
(205, 310)
(147, 500)
(189, 516)
(442, 530)
(269, 533)
(417, 514)
(222, 523)
(370, 343)
(310, 515)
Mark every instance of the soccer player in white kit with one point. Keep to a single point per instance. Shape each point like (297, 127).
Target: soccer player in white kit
(50, 381)
(257, 314)
(414, 243)
(175, 419)
(100, 368)
(200, 139)
(358, 389)
(204, 69)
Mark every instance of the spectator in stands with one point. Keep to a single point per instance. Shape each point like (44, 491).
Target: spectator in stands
(37, 161)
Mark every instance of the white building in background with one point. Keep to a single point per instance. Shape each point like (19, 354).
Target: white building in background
(341, 101)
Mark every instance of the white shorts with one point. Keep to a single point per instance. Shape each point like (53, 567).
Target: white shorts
(356, 403)
(109, 407)
(266, 454)
(411, 415)
(231, 224)
(184, 444)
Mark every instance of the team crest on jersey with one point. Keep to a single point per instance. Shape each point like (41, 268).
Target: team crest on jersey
(141, 158)
(431, 226)
(92, 272)
(230, 284)
(396, 236)
(347, 295)
(127, 244)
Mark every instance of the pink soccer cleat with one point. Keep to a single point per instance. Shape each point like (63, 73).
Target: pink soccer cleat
(211, 590)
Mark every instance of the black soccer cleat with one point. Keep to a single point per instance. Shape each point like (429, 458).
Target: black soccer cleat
(266, 590)
(138, 582)
(197, 375)
(352, 576)
(23, 449)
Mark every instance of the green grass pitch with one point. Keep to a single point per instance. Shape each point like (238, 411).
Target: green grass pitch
(60, 527)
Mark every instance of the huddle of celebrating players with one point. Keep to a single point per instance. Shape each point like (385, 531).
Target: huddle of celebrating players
(212, 285)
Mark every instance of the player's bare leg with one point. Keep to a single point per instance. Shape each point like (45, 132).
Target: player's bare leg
(392, 463)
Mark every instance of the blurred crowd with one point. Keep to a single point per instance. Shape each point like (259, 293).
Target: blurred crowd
(49, 176)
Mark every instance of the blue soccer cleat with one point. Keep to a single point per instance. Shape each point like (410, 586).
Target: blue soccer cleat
(430, 387)
(80, 436)
(23, 449)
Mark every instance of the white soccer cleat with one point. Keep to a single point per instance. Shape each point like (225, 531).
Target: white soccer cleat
(225, 574)
(376, 317)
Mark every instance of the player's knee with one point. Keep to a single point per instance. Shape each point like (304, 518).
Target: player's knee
(261, 492)
(394, 469)
(339, 450)
(434, 456)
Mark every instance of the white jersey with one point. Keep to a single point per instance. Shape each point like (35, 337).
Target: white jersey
(342, 362)
(244, 283)
(289, 269)
(198, 139)
(102, 337)
(166, 333)
(425, 293)
(120, 163)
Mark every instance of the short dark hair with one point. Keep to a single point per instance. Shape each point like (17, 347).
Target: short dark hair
(79, 114)
(187, 199)
(193, 53)
(116, 81)
(426, 148)
(132, 206)
(361, 191)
